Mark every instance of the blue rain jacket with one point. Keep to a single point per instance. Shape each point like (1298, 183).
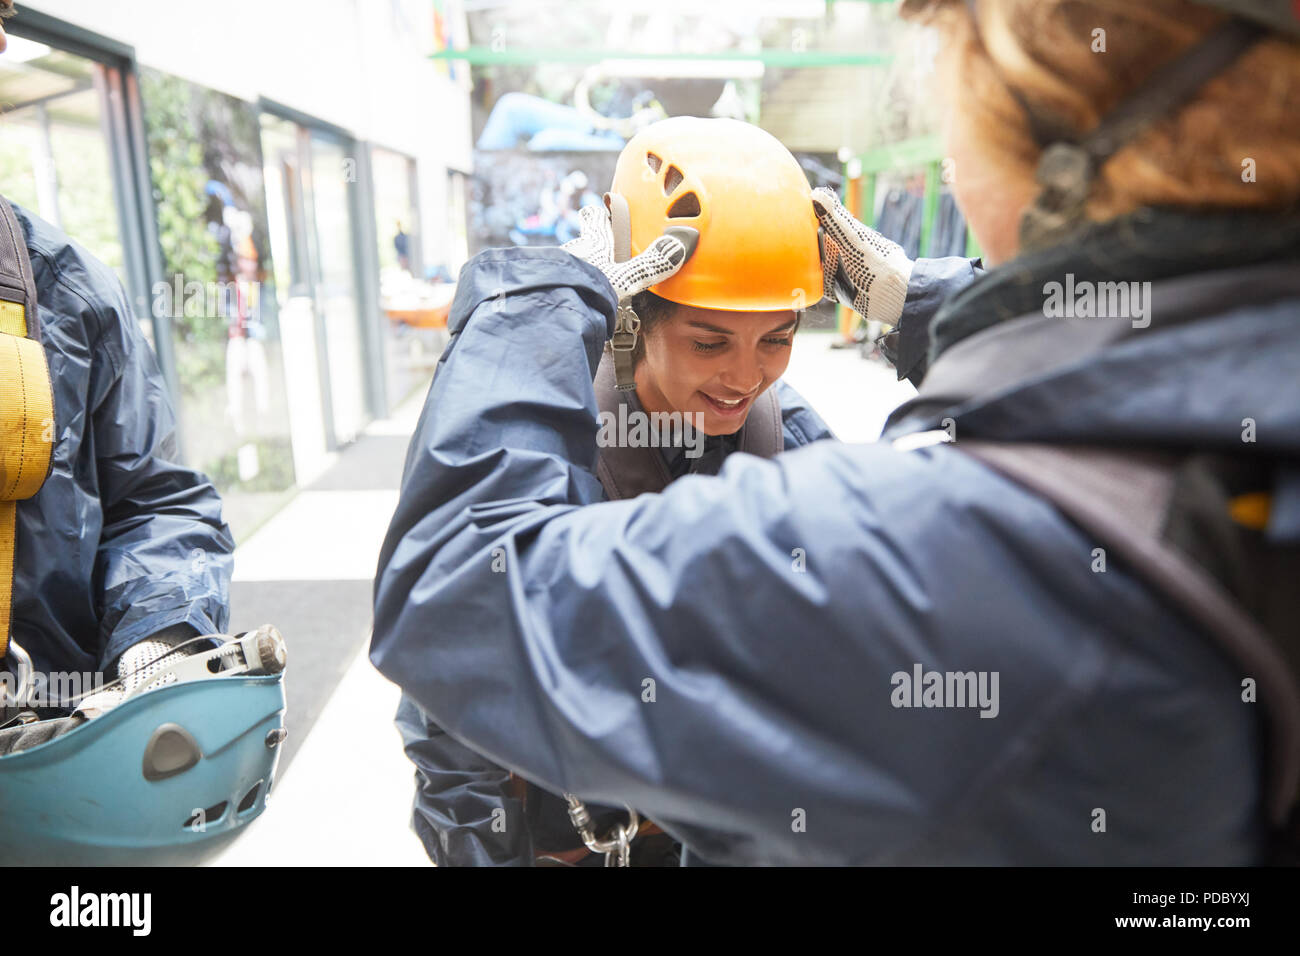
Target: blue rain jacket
(467, 810)
(122, 541)
(783, 610)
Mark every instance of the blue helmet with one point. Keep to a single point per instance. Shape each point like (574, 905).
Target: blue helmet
(168, 777)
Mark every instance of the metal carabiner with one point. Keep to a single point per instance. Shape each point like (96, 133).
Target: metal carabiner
(622, 836)
(617, 845)
(24, 674)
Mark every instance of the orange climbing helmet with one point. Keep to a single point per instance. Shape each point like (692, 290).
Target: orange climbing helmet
(745, 194)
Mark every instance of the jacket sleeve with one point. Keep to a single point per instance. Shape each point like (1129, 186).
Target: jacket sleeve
(720, 655)
(164, 555)
(933, 282)
(465, 811)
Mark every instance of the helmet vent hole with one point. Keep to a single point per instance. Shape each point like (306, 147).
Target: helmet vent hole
(686, 207)
(672, 179)
(203, 818)
(249, 799)
(653, 161)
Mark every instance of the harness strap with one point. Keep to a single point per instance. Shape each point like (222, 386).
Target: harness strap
(763, 433)
(1123, 497)
(624, 472)
(26, 401)
(620, 222)
(627, 324)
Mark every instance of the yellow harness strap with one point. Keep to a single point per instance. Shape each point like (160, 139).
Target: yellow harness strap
(26, 401)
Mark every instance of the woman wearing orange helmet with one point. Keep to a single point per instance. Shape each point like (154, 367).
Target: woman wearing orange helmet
(709, 239)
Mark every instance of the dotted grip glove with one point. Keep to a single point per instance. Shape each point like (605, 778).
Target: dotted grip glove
(860, 267)
(138, 663)
(595, 244)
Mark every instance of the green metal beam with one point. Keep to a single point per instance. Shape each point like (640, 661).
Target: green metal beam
(782, 59)
(929, 206)
(868, 210)
(910, 152)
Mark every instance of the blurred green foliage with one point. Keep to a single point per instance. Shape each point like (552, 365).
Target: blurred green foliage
(16, 180)
(188, 248)
(73, 139)
(275, 467)
(86, 200)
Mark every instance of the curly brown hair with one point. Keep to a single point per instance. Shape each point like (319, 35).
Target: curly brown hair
(1047, 49)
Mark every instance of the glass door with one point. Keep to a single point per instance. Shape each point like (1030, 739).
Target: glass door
(413, 304)
(308, 175)
(332, 173)
(301, 331)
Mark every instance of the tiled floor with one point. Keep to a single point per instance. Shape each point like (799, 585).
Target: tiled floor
(343, 789)
(346, 798)
(320, 536)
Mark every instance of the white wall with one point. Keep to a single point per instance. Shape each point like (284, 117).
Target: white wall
(359, 64)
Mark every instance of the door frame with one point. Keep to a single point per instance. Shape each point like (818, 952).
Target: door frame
(361, 216)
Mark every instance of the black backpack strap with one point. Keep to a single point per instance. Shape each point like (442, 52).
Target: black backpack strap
(625, 472)
(1123, 498)
(764, 432)
(17, 283)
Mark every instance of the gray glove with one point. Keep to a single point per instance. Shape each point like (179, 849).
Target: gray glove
(873, 271)
(661, 259)
(595, 244)
(137, 664)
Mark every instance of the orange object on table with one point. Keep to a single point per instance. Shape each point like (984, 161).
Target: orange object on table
(433, 318)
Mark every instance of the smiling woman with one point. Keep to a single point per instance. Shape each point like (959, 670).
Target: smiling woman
(709, 361)
(716, 334)
(710, 342)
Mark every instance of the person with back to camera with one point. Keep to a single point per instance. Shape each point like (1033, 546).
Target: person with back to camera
(1067, 636)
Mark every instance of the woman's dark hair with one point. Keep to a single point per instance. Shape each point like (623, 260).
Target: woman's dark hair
(651, 310)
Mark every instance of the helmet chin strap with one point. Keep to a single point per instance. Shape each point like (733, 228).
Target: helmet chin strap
(627, 324)
(620, 218)
(1070, 162)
